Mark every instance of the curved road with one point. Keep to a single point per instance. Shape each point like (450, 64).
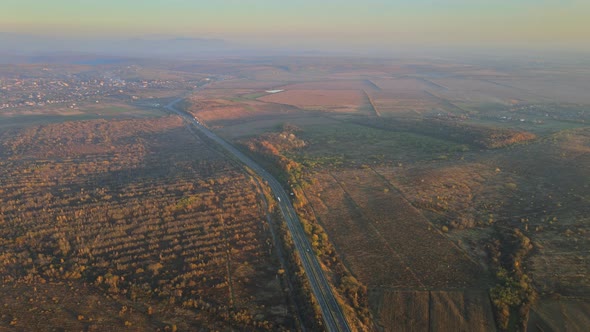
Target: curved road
(332, 313)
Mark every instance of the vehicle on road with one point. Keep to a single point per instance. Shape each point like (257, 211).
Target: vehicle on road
(331, 312)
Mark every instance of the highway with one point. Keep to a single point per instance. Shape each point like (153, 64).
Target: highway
(333, 315)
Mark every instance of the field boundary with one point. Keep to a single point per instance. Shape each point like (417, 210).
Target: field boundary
(376, 231)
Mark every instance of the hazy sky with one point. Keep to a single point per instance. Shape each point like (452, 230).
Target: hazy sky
(312, 22)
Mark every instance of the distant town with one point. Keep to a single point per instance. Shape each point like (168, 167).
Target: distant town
(68, 90)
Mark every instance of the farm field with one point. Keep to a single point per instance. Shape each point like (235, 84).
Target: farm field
(224, 112)
(322, 100)
(409, 251)
(558, 314)
(87, 111)
(392, 247)
(437, 195)
(453, 175)
(434, 311)
(141, 222)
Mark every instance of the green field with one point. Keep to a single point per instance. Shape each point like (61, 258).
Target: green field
(354, 143)
(91, 112)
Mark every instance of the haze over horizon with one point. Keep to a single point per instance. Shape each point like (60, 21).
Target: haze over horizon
(372, 24)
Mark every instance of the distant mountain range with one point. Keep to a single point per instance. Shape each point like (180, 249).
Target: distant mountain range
(40, 48)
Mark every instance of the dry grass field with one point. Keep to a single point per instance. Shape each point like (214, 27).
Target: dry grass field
(422, 257)
(453, 158)
(342, 101)
(332, 85)
(404, 104)
(242, 84)
(560, 315)
(393, 249)
(434, 311)
(106, 109)
(438, 196)
(239, 118)
(460, 193)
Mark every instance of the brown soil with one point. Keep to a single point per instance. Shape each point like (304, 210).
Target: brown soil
(337, 100)
(433, 310)
(560, 315)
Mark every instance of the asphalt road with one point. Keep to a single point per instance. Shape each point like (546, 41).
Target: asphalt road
(332, 313)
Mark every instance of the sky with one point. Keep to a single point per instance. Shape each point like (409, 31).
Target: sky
(312, 23)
